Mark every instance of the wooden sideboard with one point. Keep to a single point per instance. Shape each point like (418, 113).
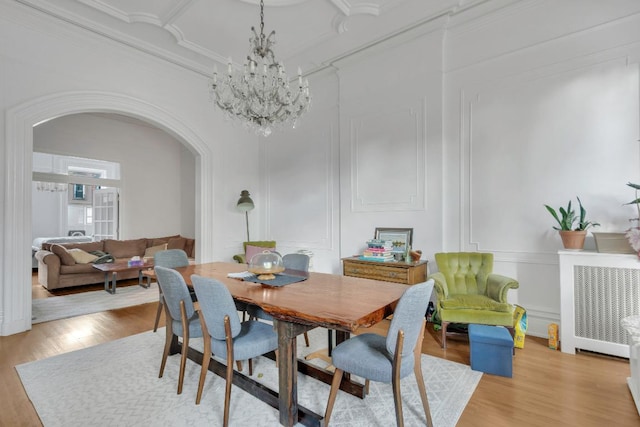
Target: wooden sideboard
(399, 272)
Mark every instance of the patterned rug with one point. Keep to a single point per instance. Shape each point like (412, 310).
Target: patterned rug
(117, 384)
(53, 308)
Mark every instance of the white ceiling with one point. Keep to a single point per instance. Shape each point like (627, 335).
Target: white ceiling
(197, 33)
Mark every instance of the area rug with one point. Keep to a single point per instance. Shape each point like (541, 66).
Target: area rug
(53, 308)
(117, 384)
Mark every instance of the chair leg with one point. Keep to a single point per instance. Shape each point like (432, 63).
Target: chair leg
(250, 367)
(167, 342)
(335, 385)
(239, 365)
(206, 358)
(229, 378)
(158, 312)
(395, 378)
(306, 339)
(185, 345)
(417, 370)
(443, 341)
(366, 387)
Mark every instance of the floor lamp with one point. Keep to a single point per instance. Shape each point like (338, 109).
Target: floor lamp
(245, 204)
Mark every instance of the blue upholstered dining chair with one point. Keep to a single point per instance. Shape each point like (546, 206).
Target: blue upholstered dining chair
(388, 359)
(224, 334)
(298, 262)
(171, 258)
(182, 319)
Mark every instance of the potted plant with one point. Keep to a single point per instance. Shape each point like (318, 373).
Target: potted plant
(572, 235)
(633, 234)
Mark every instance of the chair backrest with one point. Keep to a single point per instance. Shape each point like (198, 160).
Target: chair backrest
(171, 258)
(465, 272)
(298, 262)
(408, 316)
(174, 290)
(216, 302)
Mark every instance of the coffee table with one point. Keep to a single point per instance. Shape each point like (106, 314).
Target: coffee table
(113, 268)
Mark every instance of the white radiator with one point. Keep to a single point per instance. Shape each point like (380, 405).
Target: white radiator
(598, 290)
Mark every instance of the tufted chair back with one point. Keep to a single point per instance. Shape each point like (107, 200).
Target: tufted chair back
(465, 272)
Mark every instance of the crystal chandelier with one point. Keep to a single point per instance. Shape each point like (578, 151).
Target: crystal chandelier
(260, 97)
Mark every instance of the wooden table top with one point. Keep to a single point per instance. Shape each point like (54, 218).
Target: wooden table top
(329, 300)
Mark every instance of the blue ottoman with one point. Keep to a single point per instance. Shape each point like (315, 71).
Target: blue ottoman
(491, 349)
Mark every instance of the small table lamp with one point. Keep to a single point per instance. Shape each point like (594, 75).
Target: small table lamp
(245, 204)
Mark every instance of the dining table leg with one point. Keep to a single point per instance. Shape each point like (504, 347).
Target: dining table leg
(288, 370)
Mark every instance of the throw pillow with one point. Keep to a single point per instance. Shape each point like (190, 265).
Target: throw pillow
(82, 257)
(177, 243)
(251, 250)
(63, 254)
(150, 252)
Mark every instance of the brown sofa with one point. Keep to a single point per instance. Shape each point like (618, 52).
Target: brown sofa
(58, 269)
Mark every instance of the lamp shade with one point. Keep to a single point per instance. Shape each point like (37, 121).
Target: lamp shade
(245, 203)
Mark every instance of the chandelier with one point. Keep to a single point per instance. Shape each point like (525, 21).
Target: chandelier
(259, 97)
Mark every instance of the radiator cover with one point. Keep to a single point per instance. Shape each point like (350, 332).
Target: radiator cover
(598, 290)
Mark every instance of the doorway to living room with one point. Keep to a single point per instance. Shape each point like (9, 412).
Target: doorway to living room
(20, 123)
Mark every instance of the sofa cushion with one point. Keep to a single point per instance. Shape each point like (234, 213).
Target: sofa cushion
(79, 269)
(87, 247)
(160, 240)
(125, 248)
(82, 257)
(474, 302)
(177, 243)
(190, 248)
(63, 254)
(150, 252)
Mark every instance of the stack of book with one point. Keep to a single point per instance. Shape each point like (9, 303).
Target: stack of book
(378, 250)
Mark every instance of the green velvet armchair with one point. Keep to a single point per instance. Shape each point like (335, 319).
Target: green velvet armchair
(468, 292)
(241, 258)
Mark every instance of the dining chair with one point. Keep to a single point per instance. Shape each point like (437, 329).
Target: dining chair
(295, 261)
(388, 359)
(225, 335)
(182, 319)
(171, 258)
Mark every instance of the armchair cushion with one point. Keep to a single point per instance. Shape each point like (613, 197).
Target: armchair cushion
(474, 302)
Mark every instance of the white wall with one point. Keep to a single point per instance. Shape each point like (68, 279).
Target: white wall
(154, 200)
(541, 106)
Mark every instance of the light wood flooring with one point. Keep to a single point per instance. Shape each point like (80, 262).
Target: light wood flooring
(548, 388)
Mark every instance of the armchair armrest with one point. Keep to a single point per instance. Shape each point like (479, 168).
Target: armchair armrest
(240, 258)
(440, 284)
(498, 286)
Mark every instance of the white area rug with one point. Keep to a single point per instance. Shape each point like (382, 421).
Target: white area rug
(53, 308)
(117, 384)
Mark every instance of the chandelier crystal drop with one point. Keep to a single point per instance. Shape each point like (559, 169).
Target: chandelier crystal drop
(260, 97)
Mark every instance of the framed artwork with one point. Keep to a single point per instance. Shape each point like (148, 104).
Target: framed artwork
(401, 237)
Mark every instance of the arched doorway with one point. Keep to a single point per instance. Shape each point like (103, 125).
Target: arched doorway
(20, 120)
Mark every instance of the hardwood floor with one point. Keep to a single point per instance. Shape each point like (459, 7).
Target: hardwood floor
(548, 388)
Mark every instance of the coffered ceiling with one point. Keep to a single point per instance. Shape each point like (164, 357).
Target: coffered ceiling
(197, 33)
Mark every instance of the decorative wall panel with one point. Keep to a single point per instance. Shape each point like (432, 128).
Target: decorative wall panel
(388, 160)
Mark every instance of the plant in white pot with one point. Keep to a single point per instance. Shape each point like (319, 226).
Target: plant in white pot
(572, 235)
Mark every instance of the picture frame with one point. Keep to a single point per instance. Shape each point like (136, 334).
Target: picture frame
(401, 237)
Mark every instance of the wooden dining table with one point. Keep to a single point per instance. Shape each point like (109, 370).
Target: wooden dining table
(344, 304)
